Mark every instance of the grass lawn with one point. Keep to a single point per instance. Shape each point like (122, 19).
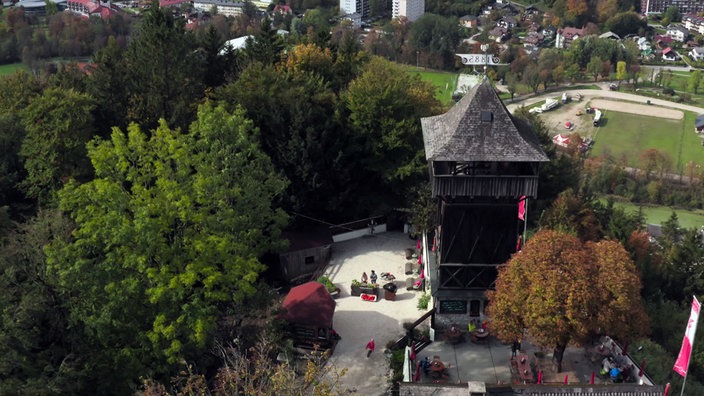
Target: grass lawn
(625, 135)
(444, 82)
(660, 214)
(9, 69)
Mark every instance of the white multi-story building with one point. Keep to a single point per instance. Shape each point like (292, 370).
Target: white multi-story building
(226, 8)
(411, 9)
(361, 7)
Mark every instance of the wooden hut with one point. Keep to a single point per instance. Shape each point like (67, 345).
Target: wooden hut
(309, 250)
(309, 310)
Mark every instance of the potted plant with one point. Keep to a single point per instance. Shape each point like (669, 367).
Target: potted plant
(357, 288)
(332, 289)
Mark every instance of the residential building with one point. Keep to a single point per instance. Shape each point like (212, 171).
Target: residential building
(361, 7)
(610, 35)
(693, 23)
(507, 22)
(677, 32)
(649, 7)
(534, 38)
(469, 21)
(697, 54)
(87, 8)
(355, 18)
(410, 9)
(566, 36)
(226, 8)
(669, 55)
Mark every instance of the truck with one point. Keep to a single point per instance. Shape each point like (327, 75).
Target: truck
(550, 103)
(597, 117)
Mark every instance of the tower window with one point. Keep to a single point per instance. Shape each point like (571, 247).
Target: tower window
(487, 116)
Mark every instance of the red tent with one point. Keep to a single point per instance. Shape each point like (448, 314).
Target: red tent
(310, 305)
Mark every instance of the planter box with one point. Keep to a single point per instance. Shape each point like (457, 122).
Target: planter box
(358, 290)
(390, 296)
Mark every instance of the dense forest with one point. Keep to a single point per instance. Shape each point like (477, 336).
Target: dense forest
(140, 192)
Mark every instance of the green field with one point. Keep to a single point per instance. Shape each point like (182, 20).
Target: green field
(626, 136)
(9, 69)
(660, 214)
(444, 82)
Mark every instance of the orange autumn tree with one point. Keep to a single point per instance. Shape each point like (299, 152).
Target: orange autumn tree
(559, 291)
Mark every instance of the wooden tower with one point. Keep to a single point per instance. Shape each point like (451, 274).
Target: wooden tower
(481, 165)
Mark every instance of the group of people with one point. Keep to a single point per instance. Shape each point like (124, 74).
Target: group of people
(614, 370)
(369, 279)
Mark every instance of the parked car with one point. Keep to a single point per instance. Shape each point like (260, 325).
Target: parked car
(613, 87)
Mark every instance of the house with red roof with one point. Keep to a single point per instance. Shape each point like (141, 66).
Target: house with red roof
(566, 36)
(308, 311)
(88, 8)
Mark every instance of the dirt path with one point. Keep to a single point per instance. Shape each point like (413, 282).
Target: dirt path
(634, 108)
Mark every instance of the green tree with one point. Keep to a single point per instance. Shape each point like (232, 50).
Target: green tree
(266, 46)
(695, 80)
(107, 84)
(58, 124)
(382, 108)
(621, 71)
(594, 67)
(562, 291)
(672, 14)
(16, 92)
(438, 37)
(167, 236)
(164, 73)
(626, 23)
(39, 348)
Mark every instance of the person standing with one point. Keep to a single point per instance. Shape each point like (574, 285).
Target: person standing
(370, 347)
(364, 277)
(373, 277)
(515, 347)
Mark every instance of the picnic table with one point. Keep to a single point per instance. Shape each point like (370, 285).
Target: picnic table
(525, 371)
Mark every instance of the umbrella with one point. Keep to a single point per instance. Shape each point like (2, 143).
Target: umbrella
(592, 380)
(413, 352)
(566, 375)
(540, 377)
(418, 244)
(667, 389)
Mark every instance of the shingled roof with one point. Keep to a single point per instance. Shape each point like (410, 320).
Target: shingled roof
(479, 128)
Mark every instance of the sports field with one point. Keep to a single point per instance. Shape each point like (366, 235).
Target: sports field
(444, 82)
(660, 214)
(9, 69)
(626, 136)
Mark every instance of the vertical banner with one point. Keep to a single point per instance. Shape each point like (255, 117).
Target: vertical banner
(522, 208)
(682, 362)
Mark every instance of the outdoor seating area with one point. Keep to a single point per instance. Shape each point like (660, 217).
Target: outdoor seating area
(613, 363)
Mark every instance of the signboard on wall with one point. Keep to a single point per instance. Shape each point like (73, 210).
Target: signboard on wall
(453, 306)
(480, 59)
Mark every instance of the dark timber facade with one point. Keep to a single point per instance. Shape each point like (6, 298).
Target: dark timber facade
(480, 166)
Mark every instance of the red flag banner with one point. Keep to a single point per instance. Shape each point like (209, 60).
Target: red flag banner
(682, 362)
(522, 208)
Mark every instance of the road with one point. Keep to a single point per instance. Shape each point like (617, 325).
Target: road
(603, 93)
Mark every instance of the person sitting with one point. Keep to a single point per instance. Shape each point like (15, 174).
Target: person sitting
(364, 277)
(373, 277)
(425, 365)
(615, 374)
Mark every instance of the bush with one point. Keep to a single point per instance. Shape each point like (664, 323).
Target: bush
(325, 281)
(423, 301)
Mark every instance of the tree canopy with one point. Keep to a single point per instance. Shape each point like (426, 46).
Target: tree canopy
(167, 234)
(558, 290)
